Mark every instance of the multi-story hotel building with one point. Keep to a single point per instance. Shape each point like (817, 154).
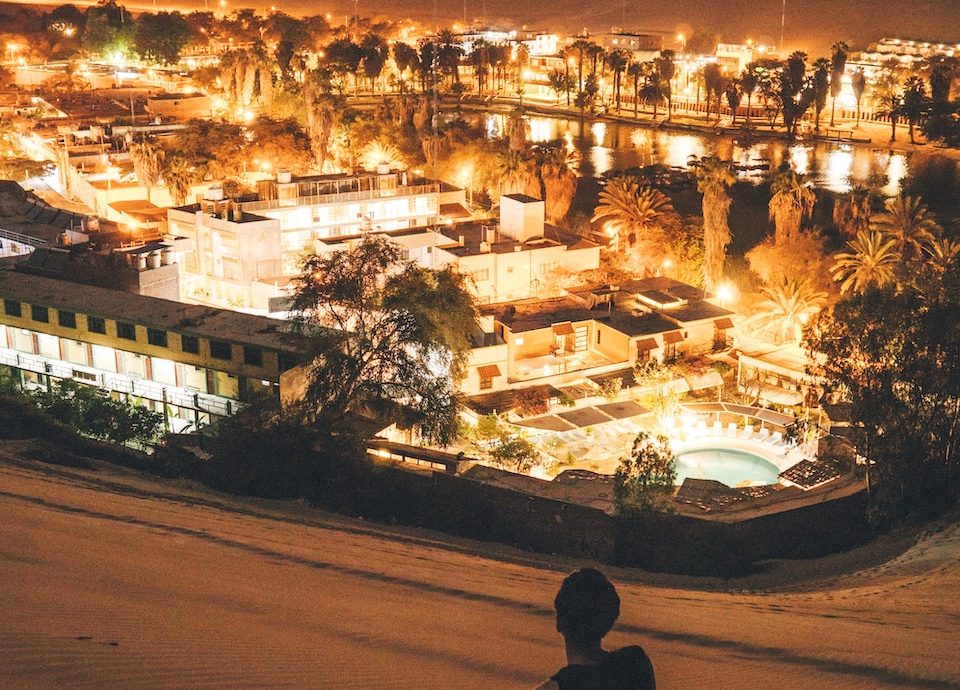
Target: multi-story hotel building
(245, 249)
(193, 363)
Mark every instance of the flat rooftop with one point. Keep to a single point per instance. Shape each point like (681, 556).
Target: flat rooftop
(473, 235)
(208, 322)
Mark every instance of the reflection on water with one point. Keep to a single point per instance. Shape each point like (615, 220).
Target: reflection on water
(839, 169)
(800, 157)
(613, 146)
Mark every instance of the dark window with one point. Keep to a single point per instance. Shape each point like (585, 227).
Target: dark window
(253, 356)
(190, 344)
(67, 319)
(96, 325)
(286, 361)
(41, 314)
(127, 331)
(157, 337)
(12, 307)
(486, 382)
(220, 350)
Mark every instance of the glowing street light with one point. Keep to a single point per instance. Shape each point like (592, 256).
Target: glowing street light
(726, 293)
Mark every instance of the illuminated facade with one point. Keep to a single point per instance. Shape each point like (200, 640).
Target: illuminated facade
(191, 362)
(245, 250)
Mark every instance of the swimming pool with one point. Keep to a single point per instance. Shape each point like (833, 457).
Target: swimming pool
(732, 467)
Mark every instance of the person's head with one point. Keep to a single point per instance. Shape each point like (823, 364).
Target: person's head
(587, 606)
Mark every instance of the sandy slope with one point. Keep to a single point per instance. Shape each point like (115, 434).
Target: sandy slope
(109, 579)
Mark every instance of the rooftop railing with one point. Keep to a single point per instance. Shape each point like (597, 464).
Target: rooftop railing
(340, 197)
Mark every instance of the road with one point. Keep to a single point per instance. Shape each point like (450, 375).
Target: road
(111, 579)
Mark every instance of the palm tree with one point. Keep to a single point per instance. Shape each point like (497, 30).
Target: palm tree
(666, 69)
(406, 58)
(147, 157)
(789, 306)
(635, 71)
(914, 102)
(942, 252)
(449, 54)
(851, 212)
(517, 130)
(820, 87)
(908, 221)
(732, 92)
(652, 91)
(748, 84)
(375, 51)
(792, 200)
(480, 60)
(580, 47)
(617, 61)
(515, 173)
(178, 175)
(712, 81)
(858, 82)
(871, 261)
(714, 177)
(838, 65)
(558, 172)
(632, 212)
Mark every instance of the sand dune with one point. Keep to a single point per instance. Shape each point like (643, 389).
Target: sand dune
(110, 579)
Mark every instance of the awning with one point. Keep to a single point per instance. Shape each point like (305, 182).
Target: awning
(673, 337)
(780, 396)
(709, 379)
(676, 386)
(488, 371)
(564, 328)
(723, 324)
(645, 344)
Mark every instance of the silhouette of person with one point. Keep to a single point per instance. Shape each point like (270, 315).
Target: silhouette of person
(587, 606)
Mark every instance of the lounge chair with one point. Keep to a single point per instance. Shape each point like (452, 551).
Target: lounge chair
(763, 434)
(717, 429)
(775, 438)
(747, 431)
(732, 429)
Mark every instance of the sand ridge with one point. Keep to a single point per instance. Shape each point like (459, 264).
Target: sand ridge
(112, 579)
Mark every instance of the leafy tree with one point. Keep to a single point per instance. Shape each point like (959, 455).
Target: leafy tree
(108, 29)
(392, 338)
(147, 157)
(645, 479)
(714, 178)
(279, 144)
(160, 37)
(178, 175)
(503, 446)
(733, 95)
(894, 353)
